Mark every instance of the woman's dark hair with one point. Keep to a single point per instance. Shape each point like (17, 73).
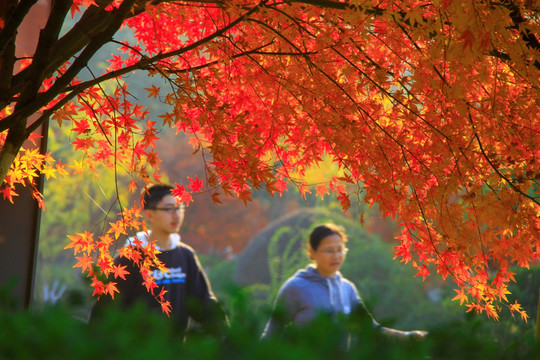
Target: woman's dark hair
(154, 194)
(324, 230)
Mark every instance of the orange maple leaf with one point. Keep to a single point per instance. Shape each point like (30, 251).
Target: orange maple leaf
(8, 193)
(98, 286)
(125, 252)
(78, 167)
(105, 264)
(281, 186)
(132, 186)
(81, 242)
(423, 271)
(322, 189)
(153, 91)
(150, 284)
(111, 288)
(118, 228)
(120, 271)
(161, 295)
(85, 262)
(491, 312)
(461, 296)
(304, 189)
(104, 242)
(344, 201)
(515, 307)
(166, 307)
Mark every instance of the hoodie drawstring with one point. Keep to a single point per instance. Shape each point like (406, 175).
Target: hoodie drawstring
(340, 306)
(330, 293)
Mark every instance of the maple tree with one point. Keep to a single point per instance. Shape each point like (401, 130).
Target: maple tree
(429, 108)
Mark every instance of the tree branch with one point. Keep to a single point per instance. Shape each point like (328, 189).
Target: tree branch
(47, 38)
(516, 17)
(43, 99)
(91, 24)
(497, 171)
(14, 14)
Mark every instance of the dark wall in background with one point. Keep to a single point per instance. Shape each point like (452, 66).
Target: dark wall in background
(19, 222)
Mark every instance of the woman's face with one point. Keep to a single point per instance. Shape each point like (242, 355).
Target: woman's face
(329, 256)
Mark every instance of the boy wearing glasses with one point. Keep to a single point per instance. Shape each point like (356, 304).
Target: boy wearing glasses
(187, 287)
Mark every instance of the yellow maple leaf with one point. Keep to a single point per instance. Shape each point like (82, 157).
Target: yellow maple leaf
(49, 172)
(78, 167)
(118, 228)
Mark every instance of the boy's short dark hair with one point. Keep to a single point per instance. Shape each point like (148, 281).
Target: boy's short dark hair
(154, 194)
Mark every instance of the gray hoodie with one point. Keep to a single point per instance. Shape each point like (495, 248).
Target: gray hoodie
(308, 293)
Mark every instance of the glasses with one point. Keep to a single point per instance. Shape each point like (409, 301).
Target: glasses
(171, 210)
(330, 252)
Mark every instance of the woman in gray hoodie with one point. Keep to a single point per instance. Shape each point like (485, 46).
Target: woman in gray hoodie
(320, 288)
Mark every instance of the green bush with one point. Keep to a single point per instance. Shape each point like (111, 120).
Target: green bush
(52, 333)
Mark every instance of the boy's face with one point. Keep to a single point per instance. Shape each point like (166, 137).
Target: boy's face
(166, 217)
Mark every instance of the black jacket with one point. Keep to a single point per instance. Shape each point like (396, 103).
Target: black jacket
(188, 290)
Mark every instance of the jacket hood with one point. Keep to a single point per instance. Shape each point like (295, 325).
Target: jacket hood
(333, 285)
(310, 273)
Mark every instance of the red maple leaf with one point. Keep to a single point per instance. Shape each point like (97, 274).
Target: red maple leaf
(150, 284)
(81, 126)
(180, 192)
(98, 286)
(195, 184)
(161, 295)
(8, 193)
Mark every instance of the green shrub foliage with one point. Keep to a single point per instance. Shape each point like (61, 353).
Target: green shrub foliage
(52, 333)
